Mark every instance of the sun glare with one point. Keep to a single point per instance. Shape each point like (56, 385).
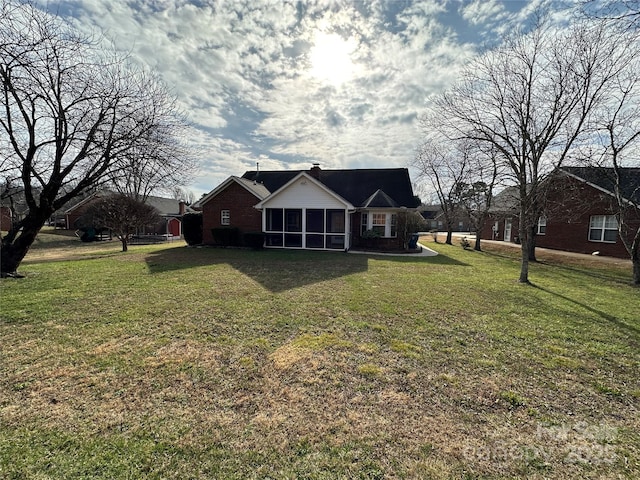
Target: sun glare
(330, 58)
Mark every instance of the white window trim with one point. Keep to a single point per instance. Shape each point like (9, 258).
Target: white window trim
(225, 217)
(602, 229)
(542, 222)
(387, 222)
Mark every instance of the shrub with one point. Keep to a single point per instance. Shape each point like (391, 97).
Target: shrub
(254, 240)
(226, 236)
(192, 228)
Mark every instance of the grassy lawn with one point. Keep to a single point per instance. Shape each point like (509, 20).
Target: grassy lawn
(176, 362)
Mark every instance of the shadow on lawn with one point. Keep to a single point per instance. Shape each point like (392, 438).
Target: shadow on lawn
(279, 270)
(632, 330)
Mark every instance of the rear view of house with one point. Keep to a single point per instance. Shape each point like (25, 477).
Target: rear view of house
(314, 209)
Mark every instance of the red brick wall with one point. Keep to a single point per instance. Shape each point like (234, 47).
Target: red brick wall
(378, 243)
(571, 206)
(569, 217)
(239, 202)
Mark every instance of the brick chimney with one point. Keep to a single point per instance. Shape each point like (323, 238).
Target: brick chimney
(315, 171)
(181, 207)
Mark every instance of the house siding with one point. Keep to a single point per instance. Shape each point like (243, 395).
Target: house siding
(304, 193)
(240, 202)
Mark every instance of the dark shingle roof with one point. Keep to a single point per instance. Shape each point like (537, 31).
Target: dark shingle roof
(604, 178)
(356, 186)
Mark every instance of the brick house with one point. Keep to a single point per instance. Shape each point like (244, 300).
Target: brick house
(314, 209)
(170, 211)
(580, 213)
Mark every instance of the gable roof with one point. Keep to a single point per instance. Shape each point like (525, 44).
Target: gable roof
(357, 186)
(381, 200)
(603, 178)
(259, 190)
(165, 206)
(312, 179)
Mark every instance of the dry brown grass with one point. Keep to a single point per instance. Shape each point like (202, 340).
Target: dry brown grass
(197, 365)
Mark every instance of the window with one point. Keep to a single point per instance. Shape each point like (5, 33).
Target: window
(225, 217)
(364, 223)
(542, 226)
(378, 223)
(603, 228)
(383, 223)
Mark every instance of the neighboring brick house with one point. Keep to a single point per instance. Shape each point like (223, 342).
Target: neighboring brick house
(580, 212)
(314, 209)
(170, 210)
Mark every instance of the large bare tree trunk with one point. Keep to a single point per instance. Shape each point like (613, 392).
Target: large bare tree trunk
(477, 246)
(525, 243)
(15, 245)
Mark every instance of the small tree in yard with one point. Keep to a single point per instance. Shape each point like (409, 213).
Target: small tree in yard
(123, 215)
(73, 116)
(444, 169)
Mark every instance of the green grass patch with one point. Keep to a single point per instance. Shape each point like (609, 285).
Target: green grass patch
(177, 362)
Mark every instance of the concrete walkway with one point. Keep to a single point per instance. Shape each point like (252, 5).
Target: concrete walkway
(583, 256)
(426, 252)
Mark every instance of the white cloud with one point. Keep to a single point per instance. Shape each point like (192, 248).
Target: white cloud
(242, 72)
(483, 11)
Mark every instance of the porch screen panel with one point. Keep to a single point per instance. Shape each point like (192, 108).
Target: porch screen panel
(335, 221)
(293, 220)
(314, 240)
(275, 221)
(315, 220)
(273, 240)
(335, 242)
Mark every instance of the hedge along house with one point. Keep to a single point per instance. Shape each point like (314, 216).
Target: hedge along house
(314, 209)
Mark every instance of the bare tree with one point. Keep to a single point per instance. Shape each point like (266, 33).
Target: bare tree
(616, 148)
(530, 100)
(477, 188)
(444, 169)
(70, 110)
(625, 12)
(159, 161)
(123, 214)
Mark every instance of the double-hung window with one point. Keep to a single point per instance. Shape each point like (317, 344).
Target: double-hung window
(603, 228)
(225, 217)
(542, 226)
(383, 223)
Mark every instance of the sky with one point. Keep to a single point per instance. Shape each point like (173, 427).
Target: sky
(287, 83)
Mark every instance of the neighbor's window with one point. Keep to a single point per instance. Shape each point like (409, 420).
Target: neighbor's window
(542, 226)
(603, 228)
(225, 217)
